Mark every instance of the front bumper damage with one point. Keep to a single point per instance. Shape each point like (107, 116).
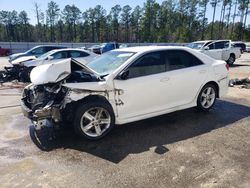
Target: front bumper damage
(15, 72)
(42, 106)
(48, 116)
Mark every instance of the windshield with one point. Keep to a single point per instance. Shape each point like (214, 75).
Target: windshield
(196, 45)
(45, 55)
(30, 50)
(108, 62)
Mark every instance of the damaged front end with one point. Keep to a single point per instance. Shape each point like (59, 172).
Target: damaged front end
(47, 101)
(15, 72)
(42, 104)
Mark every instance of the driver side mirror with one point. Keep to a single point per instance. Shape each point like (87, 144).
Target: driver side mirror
(206, 48)
(124, 75)
(50, 58)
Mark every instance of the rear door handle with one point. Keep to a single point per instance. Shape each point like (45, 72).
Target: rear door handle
(165, 79)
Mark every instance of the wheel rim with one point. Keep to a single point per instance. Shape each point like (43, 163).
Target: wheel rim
(95, 121)
(208, 97)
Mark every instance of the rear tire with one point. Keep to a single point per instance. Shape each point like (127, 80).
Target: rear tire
(207, 97)
(231, 59)
(94, 120)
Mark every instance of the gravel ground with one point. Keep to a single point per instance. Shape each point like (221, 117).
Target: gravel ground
(181, 149)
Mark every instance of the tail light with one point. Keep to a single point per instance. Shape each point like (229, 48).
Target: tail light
(227, 66)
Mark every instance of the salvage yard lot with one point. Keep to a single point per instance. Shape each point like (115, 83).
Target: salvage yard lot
(181, 149)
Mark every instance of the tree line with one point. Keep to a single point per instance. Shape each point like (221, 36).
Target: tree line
(170, 21)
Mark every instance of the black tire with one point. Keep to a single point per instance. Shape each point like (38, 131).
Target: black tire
(24, 75)
(231, 59)
(200, 98)
(84, 107)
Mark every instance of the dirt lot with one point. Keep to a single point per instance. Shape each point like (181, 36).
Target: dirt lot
(181, 149)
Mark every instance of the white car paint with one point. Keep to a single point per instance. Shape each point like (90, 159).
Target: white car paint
(48, 57)
(147, 96)
(19, 60)
(248, 47)
(50, 73)
(219, 54)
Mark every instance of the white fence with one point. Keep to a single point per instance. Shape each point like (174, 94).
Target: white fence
(17, 47)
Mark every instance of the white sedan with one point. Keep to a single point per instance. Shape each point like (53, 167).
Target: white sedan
(54, 56)
(24, 66)
(123, 86)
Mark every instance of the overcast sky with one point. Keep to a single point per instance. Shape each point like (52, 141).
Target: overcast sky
(28, 6)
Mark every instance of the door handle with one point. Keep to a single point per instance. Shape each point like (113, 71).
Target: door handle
(202, 71)
(165, 79)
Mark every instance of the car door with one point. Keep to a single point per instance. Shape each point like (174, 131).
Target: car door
(226, 51)
(142, 92)
(215, 50)
(186, 74)
(57, 56)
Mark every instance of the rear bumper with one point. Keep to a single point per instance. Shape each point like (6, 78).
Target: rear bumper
(223, 86)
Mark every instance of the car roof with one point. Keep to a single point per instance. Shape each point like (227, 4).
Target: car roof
(237, 42)
(149, 48)
(70, 49)
(50, 46)
(205, 41)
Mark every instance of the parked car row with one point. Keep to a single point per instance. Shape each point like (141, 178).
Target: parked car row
(23, 63)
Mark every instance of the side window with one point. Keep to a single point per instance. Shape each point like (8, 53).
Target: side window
(38, 51)
(60, 55)
(179, 59)
(220, 45)
(151, 63)
(49, 48)
(211, 46)
(76, 54)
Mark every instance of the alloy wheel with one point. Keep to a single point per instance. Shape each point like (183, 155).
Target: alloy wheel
(95, 121)
(208, 97)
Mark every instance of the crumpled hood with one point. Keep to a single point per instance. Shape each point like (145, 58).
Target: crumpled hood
(22, 59)
(55, 72)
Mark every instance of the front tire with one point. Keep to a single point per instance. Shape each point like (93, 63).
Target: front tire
(94, 120)
(207, 97)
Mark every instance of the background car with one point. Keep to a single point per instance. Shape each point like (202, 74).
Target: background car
(104, 47)
(4, 51)
(218, 49)
(34, 52)
(83, 56)
(248, 47)
(123, 86)
(198, 45)
(239, 44)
